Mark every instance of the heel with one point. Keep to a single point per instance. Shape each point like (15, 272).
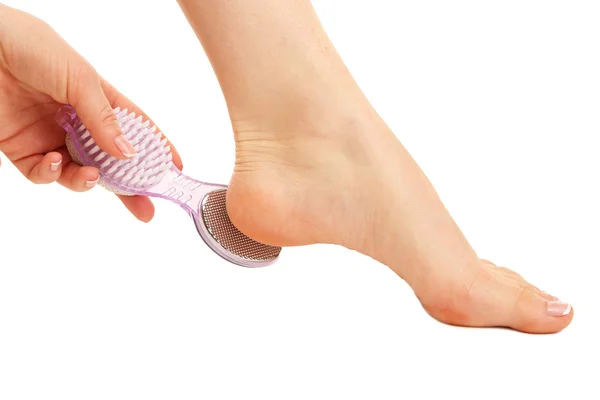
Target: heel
(218, 232)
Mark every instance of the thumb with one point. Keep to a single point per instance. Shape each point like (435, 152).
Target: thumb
(93, 108)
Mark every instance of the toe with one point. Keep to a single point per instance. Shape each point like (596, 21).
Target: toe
(517, 307)
(514, 278)
(534, 314)
(507, 272)
(517, 280)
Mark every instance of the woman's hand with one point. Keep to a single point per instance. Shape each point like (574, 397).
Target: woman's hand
(39, 72)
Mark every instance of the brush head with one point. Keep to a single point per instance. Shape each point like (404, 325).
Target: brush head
(125, 177)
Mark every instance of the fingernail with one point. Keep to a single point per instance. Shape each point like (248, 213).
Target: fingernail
(558, 308)
(54, 166)
(124, 146)
(91, 184)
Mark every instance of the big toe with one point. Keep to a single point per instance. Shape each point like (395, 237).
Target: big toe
(516, 305)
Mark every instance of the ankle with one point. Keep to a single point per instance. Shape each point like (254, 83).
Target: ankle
(309, 108)
(323, 136)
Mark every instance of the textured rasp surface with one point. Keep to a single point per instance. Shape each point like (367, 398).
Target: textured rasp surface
(219, 225)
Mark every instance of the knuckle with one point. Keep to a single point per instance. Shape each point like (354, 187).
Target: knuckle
(79, 76)
(34, 178)
(31, 174)
(107, 116)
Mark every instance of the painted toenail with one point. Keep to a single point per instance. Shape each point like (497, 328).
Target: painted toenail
(558, 308)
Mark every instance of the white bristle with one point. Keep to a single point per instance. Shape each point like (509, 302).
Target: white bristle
(135, 139)
(126, 126)
(153, 156)
(135, 180)
(146, 140)
(105, 163)
(113, 168)
(100, 156)
(142, 181)
(121, 113)
(119, 174)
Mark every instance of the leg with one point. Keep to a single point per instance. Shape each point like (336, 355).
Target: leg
(318, 165)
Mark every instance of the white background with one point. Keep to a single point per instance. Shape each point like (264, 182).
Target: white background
(499, 102)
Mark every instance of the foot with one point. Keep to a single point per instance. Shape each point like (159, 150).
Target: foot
(308, 176)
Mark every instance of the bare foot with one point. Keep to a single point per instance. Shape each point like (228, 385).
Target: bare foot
(316, 164)
(311, 176)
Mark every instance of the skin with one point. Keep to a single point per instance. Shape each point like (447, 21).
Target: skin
(40, 72)
(316, 164)
(314, 161)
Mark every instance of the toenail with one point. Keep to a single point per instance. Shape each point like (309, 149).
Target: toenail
(558, 308)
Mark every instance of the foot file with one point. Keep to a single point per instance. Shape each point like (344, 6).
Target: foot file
(152, 173)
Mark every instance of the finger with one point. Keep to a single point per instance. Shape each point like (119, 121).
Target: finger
(78, 179)
(81, 179)
(75, 177)
(140, 206)
(93, 108)
(48, 170)
(117, 99)
(39, 136)
(40, 169)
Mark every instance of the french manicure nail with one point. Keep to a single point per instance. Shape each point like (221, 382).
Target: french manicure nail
(558, 308)
(54, 166)
(91, 184)
(124, 146)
